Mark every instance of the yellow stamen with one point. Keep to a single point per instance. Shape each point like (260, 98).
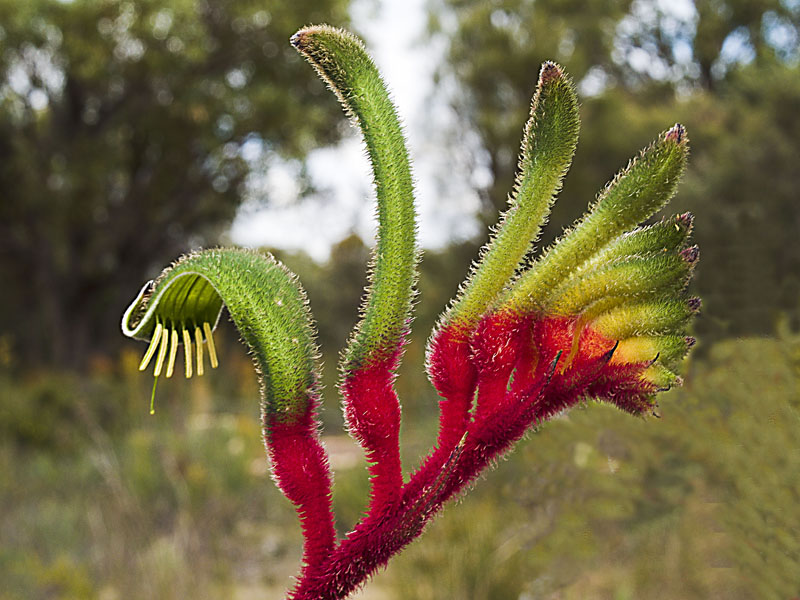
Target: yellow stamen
(198, 340)
(187, 352)
(151, 349)
(212, 351)
(173, 350)
(162, 352)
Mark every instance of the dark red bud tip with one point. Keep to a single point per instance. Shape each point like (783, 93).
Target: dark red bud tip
(685, 220)
(694, 303)
(298, 39)
(304, 38)
(550, 71)
(690, 254)
(690, 341)
(676, 134)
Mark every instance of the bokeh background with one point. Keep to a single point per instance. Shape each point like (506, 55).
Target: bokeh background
(134, 131)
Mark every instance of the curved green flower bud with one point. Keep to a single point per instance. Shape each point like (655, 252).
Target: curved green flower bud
(663, 237)
(661, 377)
(266, 303)
(548, 145)
(632, 277)
(645, 318)
(342, 62)
(667, 348)
(642, 188)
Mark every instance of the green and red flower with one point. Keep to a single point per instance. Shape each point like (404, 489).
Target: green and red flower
(602, 314)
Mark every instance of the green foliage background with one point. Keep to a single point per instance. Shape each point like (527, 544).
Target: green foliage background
(101, 501)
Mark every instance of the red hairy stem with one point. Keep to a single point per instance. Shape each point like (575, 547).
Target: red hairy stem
(389, 528)
(491, 437)
(454, 376)
(301, 471)
(368, 547)
(450, 364)
(525, 369)
(375, 540)
(557, 362)
(496, 348)
(372, 413)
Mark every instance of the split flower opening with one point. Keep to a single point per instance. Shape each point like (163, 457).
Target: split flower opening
(181, 312)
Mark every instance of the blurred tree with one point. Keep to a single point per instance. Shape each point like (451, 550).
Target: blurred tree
(495, 52)
(727, 68)
(742, 186)
(126, 131)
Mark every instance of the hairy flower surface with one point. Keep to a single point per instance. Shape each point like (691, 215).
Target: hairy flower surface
(602, 314)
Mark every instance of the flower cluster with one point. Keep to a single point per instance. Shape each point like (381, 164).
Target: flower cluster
(601, 314)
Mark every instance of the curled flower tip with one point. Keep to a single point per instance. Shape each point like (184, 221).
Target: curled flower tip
(298, 39)
(677, 133)
(690, 254)
(694, 303)
(685, 220)
(550, 71)
(690, 341)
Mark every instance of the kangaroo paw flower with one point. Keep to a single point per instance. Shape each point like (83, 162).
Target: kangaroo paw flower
(600, 314)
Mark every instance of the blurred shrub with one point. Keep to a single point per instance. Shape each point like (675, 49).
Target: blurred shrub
(100, 500)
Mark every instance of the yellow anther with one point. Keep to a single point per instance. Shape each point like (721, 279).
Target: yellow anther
(187, 352)
(198, 340)
(151, 349)
(162, 352)
(173, 350)
(212, 351)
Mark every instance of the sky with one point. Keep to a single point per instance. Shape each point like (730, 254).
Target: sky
(344, 202)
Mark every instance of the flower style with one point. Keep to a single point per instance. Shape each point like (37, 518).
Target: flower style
(601, 314)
